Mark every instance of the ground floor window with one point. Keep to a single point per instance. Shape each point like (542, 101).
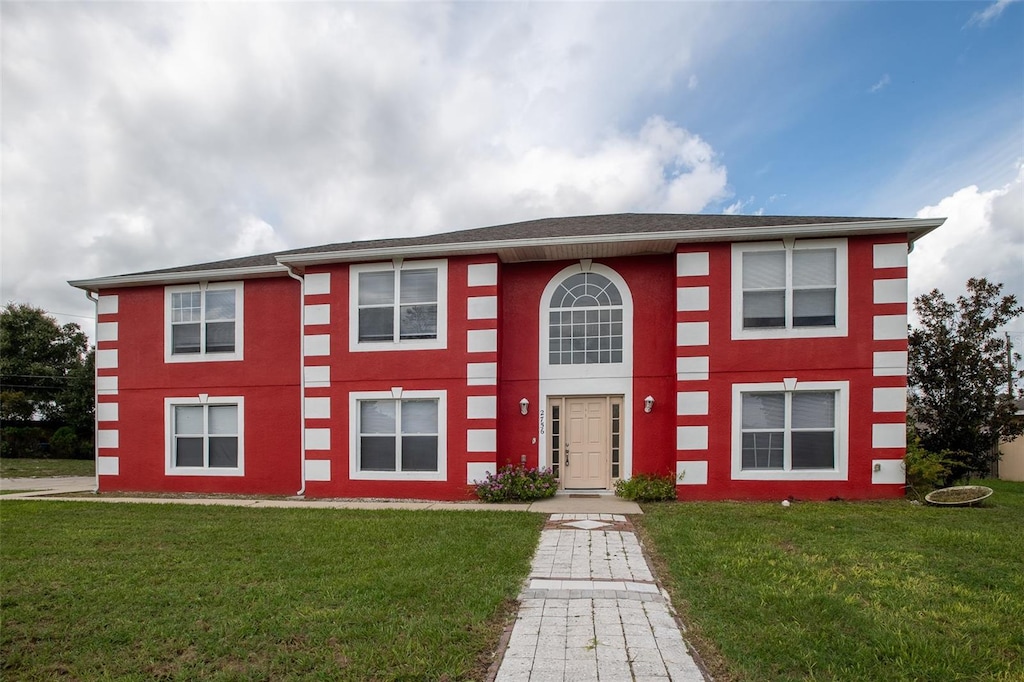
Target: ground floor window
(205, 436)
(795, 432)
(398, 436)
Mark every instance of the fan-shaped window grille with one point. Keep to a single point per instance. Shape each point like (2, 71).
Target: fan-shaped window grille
(585, 321)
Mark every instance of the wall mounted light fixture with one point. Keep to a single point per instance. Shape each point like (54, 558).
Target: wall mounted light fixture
(524, 405)
(648, 403)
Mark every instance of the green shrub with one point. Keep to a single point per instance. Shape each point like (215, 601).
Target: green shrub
(647, 488)
(517, 484)
(64, 443)
(926, 470)
(23, 441)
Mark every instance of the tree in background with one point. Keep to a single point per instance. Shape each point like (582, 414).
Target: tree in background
(960, 376)
(46, 380)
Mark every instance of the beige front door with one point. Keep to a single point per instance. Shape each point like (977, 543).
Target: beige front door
(587, 436)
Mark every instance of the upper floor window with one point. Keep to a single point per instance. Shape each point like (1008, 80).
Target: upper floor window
(399, 305)
(205, 436)
(203, 322)
(585, 321)
(795, 289)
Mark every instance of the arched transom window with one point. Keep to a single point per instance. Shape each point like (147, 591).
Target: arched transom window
(585, 321)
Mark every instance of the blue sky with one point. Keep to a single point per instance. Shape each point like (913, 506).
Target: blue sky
(146, 135)
(854, 96)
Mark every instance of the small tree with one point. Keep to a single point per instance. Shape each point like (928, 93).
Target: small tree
(46, 373)
(959, 373)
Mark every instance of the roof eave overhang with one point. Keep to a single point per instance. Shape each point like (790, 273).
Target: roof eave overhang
(162, 278)
(507, 249)
(533, 249)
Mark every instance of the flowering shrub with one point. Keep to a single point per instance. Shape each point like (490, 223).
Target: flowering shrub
(647, 488)
(515, 484)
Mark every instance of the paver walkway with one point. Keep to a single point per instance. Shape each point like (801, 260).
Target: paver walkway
(591, 610)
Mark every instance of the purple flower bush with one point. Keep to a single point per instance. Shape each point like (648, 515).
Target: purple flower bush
(517, 484)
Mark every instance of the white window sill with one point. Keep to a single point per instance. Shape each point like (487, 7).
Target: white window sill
(397, 476)
(375, 346)
(802, 475)
(200, 471)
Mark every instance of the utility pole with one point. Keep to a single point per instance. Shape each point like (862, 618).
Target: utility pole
(1009, 366)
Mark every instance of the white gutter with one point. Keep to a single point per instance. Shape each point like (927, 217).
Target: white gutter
(918, 226)
(302, 380)
(95, 394)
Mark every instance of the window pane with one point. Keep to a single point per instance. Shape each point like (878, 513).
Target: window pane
(764, 309)
(224, 419)
(376, 453)
(418, 286)
(377, 324)
(764, 411)
(762, 450)
(613, 294)
(188, 420)
(814, 450)
(814, 410)
(220, 304)
(814, 308)
(419, 416)
(419, 321)
(188, 452)
(224, 452)
(220, 337)
(377, 416)
(812, 267)
(419, 453)
(376, 288)
(764, 269)
(185, 338)
(186, 307)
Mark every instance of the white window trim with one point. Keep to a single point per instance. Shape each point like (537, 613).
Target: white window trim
(442, 436)
(441, 342)
(842, 406)
(790, 332)
(581, 380)
(203, 356)
(169, 404)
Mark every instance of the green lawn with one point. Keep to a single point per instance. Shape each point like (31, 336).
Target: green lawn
(42, 468)
(849, 591)
(191, 592)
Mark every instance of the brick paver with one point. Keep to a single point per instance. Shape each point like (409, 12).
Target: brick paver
(591, 610)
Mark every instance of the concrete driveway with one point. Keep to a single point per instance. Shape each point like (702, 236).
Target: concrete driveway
(54, 485)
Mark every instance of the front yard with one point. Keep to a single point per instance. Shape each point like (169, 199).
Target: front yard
(848, 591)
(14, 467)
(193, 592)
(816, 591)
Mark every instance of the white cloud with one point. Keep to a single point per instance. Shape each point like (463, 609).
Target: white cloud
(983, 236)
(882, 82)
(693, 82)
(989, 14)
(147, 135)
(736, 207)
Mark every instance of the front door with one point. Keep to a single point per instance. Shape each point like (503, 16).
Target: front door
(587, 436)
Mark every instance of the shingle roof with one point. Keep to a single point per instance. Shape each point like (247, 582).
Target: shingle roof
(625, 224)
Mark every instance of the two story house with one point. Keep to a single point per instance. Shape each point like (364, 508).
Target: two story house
(753, 357)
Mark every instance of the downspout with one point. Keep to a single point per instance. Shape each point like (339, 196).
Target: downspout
(302, 378)
(95, 395)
